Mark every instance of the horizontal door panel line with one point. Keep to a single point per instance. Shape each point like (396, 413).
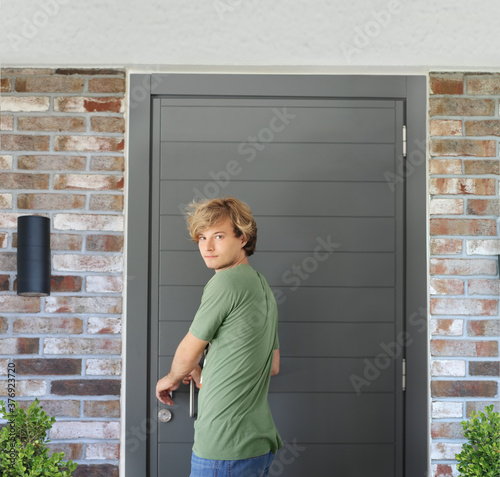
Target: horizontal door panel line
(301, 286)
(301, 322)
(391, 252)
(368, 143)
(271, 105)
(297, 181)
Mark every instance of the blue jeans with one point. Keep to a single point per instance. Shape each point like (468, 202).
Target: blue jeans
(253, 467)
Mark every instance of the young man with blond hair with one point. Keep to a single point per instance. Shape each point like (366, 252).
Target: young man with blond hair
(234, 433)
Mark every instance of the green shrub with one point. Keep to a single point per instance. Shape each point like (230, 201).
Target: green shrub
(480, 457)
(23, 444)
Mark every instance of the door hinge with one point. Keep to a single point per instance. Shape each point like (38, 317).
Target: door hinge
(404, 141)
(404, 374)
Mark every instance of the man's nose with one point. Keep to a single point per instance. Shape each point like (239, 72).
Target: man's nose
(209, 244)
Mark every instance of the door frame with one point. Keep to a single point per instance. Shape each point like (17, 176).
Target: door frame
(142, 88)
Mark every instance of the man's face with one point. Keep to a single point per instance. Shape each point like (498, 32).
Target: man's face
(220, 248)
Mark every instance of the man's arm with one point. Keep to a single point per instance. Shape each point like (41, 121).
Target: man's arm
(275, 367)
(186, 358)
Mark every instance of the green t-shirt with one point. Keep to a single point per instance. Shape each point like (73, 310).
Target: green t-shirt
(239, 316)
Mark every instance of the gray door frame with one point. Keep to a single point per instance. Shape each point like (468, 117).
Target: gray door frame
(143, 87)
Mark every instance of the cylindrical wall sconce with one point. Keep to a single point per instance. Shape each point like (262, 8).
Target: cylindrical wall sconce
(33, 255)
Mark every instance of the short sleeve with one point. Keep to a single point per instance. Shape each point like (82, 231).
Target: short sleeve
(215, 306)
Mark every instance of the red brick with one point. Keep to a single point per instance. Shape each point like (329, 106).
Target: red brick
(101, 470)
(450, 347)
(443, 470)
(51, 201)
(445, 127)
(52, 163)
(483, 207)
(26, 387)
(75, 104)
(51, 123)
(488, 127)
(8, 261)
(8, 220)
(446, 206)
(104, 243)
(462, 147)
(445, 166)
(48, 367)
(446, 83)
(107, 163)
(13, 180)
(104, 325)
(49, 84)
(447, 327)
(65, 284)
(447, 286)
(3, 239)
(480, 406)
(5, 162)
(482, 167)
(89, 71)
(463, 306)
(107, 202)
(25, 103)
(451, 430)
(105, 451)
(87, 263)
(484, 368)
(104, 284)
(464, 388)
(89, 143)
(483, 247)
(461, 185)
(446, 246)
(5, 201)
(86, 387)
(88, 222)
(107, 124)
(461, 107)
(72, 304)
(484, 287)
(61, 408)
(6, 123)
(102, 408)
(66, 242)
(48, 325)
(25, 71)
(89, 429)
(24, 142)
(483, 84)
(12, 346)
(483, 328)
(463, 227)
(5, 85)
(4, 325)
(82, 346)
(4, 282)
(107, 85)
(103, 367)
(88, 181)
(71, 451)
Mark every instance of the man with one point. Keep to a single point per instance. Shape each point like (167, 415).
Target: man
(234, 433)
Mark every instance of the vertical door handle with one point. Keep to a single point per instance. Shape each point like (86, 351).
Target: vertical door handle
(191, 398)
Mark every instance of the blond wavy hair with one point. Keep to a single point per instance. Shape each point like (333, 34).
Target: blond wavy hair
(209, 212)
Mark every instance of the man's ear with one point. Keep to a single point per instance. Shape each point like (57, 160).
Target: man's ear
(244, 241)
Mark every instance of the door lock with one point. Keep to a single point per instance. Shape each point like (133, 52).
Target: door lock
(164, 415)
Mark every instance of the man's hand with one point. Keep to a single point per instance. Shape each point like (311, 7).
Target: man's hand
(163, 389)
(194, 375)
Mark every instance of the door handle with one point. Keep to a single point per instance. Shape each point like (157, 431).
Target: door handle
(191, 398)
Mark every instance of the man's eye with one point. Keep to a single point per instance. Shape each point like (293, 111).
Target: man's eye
(201, 238)
(219, 236)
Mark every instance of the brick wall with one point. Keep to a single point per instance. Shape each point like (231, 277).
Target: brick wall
(61, 156)
(464, 246)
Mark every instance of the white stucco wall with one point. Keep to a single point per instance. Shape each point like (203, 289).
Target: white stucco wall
(331, 35)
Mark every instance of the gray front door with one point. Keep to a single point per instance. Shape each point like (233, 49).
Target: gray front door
(321, 177)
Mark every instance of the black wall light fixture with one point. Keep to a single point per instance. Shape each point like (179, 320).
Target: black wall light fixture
(33, 255)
